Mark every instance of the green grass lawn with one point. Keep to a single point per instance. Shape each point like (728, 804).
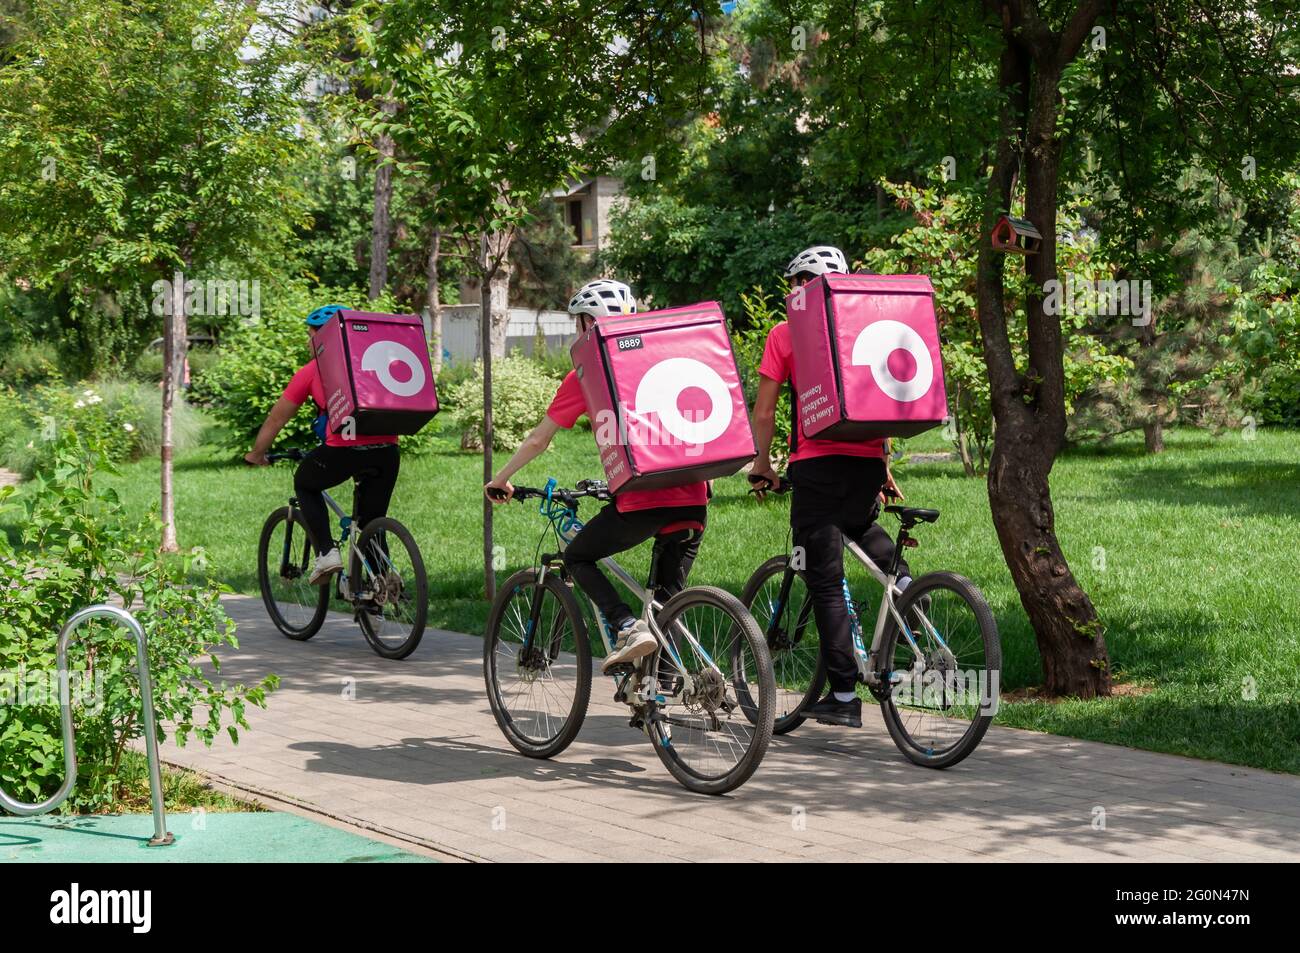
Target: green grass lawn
(1191, 558)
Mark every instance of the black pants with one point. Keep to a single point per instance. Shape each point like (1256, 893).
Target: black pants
(611, 532)
(834, 495)
(374, 468)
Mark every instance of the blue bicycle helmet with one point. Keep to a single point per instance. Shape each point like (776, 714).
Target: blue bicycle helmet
(323, 314)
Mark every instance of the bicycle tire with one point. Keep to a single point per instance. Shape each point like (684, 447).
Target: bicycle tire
(790, 702)
(965, 590)
(760, 719)
(420, 581)
(298, 631)
(525, 582)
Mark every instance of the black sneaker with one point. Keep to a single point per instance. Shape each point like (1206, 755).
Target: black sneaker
(828, 711)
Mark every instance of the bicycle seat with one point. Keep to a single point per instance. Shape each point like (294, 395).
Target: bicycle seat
(913, 514)
(668, 530)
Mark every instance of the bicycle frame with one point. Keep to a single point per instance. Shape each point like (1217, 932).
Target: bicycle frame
(346, 524)
(868, 660)
(567, 526)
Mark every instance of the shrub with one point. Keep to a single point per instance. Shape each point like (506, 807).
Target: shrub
(1268, 316)
(521, 392)
(141, 406)
(148, 367)
(122, 419)
(554, 363)
(26, 365)
(78, 548)
(763, 311)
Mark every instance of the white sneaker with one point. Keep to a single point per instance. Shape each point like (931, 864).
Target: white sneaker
(634, 642)
(326, 566)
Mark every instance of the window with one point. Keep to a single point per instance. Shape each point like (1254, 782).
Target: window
(575, 220)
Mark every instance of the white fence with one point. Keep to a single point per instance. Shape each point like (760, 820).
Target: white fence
(461, 336)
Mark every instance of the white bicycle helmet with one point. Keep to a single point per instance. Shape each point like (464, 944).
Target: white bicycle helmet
(818, 260)
(602, 298)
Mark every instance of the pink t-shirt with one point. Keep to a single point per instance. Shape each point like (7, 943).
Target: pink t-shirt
(306, 383)
(778, 365)
(569, 404)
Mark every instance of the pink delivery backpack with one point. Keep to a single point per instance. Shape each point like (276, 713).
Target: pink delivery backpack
(866, 356)
(375, 371)
(664, 397)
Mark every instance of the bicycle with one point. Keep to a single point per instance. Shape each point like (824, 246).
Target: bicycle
(386, 587)
(935, 659)
(709, 726)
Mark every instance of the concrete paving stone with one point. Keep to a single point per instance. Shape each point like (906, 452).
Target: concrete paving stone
(417, 752)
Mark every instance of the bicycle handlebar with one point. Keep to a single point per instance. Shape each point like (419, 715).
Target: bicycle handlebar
(783, 484)
(597, 489)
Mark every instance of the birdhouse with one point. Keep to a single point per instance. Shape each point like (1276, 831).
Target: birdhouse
(1017, 236)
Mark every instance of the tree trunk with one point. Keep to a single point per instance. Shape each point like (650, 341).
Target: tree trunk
(494, 249)
(1029, 408)
(175, 339)
(433, 299)
(1154, 432)
(1066, 627)
(485, 348)
(499, 296)
(381, 220)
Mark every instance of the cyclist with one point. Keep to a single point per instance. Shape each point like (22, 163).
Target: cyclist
(633, 517)
(837, 488)
(371, 461)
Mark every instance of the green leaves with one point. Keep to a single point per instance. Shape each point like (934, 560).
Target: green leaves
(136, 140)
(499, 102)
(520, 394)
(79, 548)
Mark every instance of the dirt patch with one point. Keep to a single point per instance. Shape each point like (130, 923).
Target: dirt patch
(1034, 694)
(9, 477)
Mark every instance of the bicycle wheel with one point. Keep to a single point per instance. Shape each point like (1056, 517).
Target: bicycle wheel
(539, 695)
(390, 588)
(790, 632)
(713, 731)
(284, 555)
(945, 686)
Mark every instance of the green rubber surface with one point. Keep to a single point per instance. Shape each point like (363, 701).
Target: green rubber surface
(233, 838)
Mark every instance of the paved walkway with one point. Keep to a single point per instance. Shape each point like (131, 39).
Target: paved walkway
(410, 749)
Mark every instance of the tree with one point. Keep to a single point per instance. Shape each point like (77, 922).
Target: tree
(138, 148)
(1036, 96)
(500, 102)
(1184, 354)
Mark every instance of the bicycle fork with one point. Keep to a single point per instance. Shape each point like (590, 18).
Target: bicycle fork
(552, 652)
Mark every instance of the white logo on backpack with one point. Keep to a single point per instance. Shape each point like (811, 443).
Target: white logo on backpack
(381, 354)
(663, 384)
(873, 348)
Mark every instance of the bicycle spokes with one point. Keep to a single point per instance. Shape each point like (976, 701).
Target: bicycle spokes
(940, 670)
(385, 589)
(710, 676)
(535, 666)
(288, 577)
(783, 611)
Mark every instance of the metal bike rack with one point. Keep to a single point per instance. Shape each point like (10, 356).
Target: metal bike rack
(126, 619)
